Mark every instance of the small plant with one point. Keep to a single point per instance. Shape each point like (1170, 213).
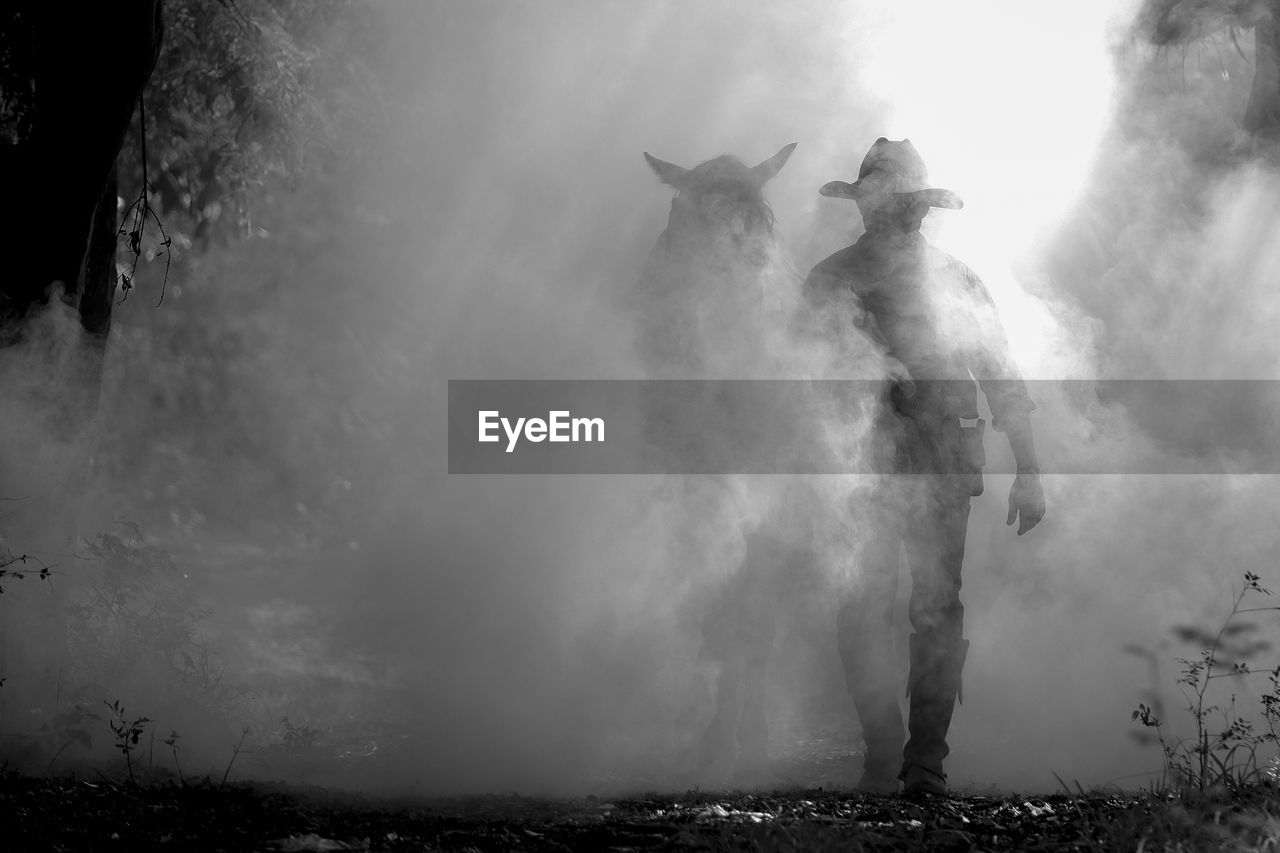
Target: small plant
(298, 738)
(134, 622)
(134, 221)
(172, 742)
(1224, 751)
(128, 732)
(134, 614)
(235, 753)
(8, 560)
(71, 727)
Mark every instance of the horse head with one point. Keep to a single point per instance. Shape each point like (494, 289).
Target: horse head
(719, 214)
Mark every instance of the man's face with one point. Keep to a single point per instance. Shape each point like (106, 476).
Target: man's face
(892, 212)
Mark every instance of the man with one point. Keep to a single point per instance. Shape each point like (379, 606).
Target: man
(933, 320)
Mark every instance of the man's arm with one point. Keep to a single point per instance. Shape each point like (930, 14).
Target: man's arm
(1018, 430)
(1010, 404)
(1026, 498)
(1011, 408)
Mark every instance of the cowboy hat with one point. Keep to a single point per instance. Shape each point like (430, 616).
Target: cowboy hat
(897, 168)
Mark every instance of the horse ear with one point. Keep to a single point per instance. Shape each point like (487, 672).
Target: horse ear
(669, 173)
(766, 170)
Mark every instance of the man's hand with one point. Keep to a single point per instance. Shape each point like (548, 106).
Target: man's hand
(1026, 502)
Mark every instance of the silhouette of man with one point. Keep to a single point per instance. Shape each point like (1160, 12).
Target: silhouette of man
(931, 316)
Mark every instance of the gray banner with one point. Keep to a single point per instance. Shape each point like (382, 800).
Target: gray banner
(831, 427)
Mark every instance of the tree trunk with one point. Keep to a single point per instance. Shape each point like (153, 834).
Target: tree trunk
(98, 288)
(1262, 116)
(91, 64)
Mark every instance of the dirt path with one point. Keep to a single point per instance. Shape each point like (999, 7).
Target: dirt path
(65, 814)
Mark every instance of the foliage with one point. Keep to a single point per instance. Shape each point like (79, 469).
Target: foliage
(258, 116)
(133, 628)
(1224, 750)
(172, 742)
(235, 753)
(16, 55)
(134, 612)
(278, 368)
(8, 560)
(298, 738)
(247, 91)
(67, 728)
(245, 94)
(134, 226)
(126, 731)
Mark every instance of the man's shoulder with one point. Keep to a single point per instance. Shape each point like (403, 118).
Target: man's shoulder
(941, 259)
(850, 257)
(843, 267)
(956, 269)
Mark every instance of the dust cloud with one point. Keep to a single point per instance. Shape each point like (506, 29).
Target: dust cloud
(539, 633)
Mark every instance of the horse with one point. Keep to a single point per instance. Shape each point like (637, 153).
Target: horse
(705, 282)
(709, 293)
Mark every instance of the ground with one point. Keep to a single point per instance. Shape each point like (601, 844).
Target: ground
(109, 814)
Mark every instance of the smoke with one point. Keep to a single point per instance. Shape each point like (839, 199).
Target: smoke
(543, 633)
(1152, 274)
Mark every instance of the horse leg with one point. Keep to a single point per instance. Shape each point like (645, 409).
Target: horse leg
(754, 638)
(716, 751)
(753, 731)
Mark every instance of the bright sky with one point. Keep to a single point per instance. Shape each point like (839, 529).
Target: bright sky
(1012, 125)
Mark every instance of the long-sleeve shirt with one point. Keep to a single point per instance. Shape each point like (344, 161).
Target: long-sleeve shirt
(933, 315)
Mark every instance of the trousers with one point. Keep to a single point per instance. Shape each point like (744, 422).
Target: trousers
(925, 517)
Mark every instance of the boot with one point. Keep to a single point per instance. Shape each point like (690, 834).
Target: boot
(872, 668)
(882, 736)
(875, 696)
(933, 688)
(875, 685)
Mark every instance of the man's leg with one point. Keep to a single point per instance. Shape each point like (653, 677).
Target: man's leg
(865, 640)
(935, 552)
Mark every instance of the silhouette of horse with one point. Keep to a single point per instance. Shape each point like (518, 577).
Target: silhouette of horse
(703, 306)
(705, 283)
